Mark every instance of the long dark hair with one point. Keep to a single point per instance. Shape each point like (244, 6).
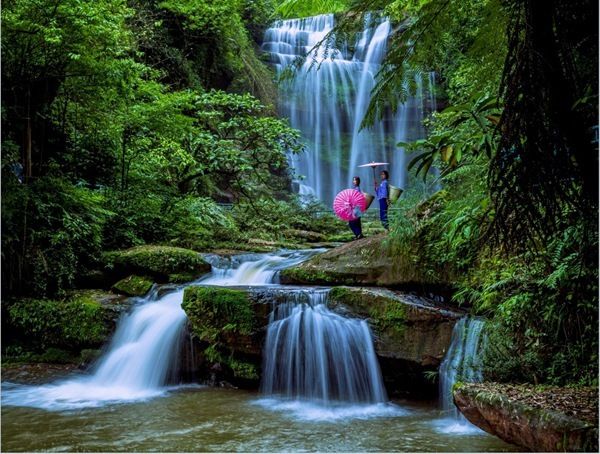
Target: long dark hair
(386, 173)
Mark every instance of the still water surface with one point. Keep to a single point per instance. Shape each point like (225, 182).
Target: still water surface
(221, 420)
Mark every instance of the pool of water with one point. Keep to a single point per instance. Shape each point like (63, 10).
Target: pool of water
(224, 420)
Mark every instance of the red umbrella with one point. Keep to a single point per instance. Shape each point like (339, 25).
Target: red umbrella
(345, 203)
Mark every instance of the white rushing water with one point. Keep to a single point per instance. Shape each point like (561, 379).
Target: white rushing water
(320, 365)
(253, 269)
(135, 366)
(461, 363)
(328, 98)
(146, 345)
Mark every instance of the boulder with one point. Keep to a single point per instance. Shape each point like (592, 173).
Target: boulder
(522, 421)
(223, 322)
(160, 263)
(133, 286)
(365, 262)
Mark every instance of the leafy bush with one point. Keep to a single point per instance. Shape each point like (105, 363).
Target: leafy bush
(52, 232)
(72, 324)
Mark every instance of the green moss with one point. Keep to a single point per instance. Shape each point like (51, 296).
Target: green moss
(182, 278)
(133, 286)
(304, 275)
(243, 369)
(386, 313)
(223, 319)
(216, 312)
(158, 262)
(70, 324)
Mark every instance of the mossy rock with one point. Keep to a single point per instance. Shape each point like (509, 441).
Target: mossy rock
(406, 327)
(313, 276)
(223, 321)
(366, 262)
(73, 324)
(133, 286)
(218, 314)
(157, 262)
(384, 312)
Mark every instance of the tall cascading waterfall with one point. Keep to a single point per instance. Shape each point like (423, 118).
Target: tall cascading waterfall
(328, 98)
(461, 363)
(312, 353)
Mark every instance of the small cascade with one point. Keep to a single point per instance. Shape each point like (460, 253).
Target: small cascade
(461, 363)
(327, 100)
(253, 269)
(137, 364)
(151, 347)
(314, 354)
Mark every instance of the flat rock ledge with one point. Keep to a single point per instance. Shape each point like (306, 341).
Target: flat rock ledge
(535, 420)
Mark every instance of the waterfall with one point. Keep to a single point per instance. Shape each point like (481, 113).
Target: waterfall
(253, 269)
(145, 349)
(328, 98)
(461, 363)
(314, 354)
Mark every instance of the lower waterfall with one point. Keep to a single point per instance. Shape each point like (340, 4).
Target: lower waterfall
(313, 353)
(461, 363)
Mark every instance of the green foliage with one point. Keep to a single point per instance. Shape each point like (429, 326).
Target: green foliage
(72, 324)
(51, 232)
(289, 9)
(156, 261)
(545, 327)
(126, 143)
(468, 128)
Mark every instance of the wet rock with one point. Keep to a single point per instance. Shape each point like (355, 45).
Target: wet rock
(412, 334)
(365, 262)
(223, 323)
(133, 286)
(519, 422)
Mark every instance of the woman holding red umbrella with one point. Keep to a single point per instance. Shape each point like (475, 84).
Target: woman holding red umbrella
(355, 224)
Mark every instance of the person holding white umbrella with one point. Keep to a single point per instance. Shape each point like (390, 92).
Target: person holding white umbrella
(383, 196)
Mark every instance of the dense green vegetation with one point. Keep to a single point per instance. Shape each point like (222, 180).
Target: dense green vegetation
(127, 123)
(517, 215)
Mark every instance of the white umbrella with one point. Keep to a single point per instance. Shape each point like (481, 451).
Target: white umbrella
(373, 165)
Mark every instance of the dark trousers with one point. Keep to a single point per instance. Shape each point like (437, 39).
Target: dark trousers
(383, 208)
(356, 226)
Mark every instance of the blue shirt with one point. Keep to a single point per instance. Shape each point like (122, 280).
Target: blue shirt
(382, 190)
(357, 188)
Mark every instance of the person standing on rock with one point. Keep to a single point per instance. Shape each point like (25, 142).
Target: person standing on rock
(355, 224)
(383, 196)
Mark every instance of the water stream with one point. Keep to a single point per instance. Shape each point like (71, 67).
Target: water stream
(461, 363)
(321, 388)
